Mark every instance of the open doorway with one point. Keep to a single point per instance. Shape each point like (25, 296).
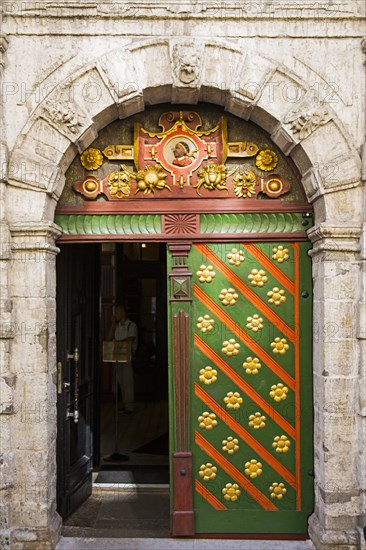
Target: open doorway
(135, 448)
(91, 280)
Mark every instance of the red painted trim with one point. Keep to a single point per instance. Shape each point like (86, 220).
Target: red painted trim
(181, 370)
(183, 513)
(212, 237)
(197, 205)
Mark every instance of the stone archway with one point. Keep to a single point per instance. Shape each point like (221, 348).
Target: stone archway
(65, 122)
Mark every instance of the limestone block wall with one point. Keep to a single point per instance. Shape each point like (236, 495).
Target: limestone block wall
(67, 70)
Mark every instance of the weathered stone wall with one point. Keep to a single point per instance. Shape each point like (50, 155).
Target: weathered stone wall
(295, 69)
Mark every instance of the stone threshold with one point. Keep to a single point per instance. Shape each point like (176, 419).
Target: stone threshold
(76, 543)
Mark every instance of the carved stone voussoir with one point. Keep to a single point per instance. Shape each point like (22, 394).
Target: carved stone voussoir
(304, 122)
(186, 63)
(63, 113)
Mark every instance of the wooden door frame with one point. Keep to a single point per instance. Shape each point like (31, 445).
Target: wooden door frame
(179, 296)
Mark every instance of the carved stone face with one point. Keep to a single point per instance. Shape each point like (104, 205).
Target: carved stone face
(186, 61)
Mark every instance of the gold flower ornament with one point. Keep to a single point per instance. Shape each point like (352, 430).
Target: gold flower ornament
(230, 347)
(257, 277)
(278, 392)
(257, 421)
(252, 365)
(255, 323)
(206, 273)
(277, 490)
(266, 160)
(276, 296)
(205, 323)
(231, 492)
(281, 444)
(208, 375)
(253, 468)
(279, 345)
(207, 421)
(230, 445)
(91, 159)
(233, 400)
(235, 257)
(207, 471)
(280, 254)
(228, 296)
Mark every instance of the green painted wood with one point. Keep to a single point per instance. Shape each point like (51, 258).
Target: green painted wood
(247, 515)
(151, 224)
(111, 224)
(288, 222)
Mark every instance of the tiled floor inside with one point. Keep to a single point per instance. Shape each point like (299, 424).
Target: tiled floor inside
(130, 498)
(122, 512)
(148, 424)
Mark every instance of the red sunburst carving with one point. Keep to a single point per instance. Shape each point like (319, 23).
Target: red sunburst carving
(182, 224)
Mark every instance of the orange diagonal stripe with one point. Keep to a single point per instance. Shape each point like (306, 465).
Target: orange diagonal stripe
(248, 292)
(243, 385)
(205, 493)
(238, 331)
(234, 473)
(272, 268)
(244, 434)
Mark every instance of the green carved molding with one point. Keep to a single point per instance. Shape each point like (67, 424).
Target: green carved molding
(111, 224)
(210, 224)
(283, 222)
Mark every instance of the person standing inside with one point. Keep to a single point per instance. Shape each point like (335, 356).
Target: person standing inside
(123, 329)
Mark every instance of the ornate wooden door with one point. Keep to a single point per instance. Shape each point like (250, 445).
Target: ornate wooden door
(242, 432)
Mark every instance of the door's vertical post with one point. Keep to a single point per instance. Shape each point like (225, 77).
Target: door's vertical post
(180, 298)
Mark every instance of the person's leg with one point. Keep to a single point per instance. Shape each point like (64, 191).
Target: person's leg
(127, 387)
(119, 389)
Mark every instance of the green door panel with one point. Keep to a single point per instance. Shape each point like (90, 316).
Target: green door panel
(250, 409)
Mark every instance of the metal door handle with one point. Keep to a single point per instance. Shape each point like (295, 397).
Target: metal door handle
(75, 415)
(75, 356)
(72, 414)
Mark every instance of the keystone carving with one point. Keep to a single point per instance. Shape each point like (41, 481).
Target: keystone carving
(186, 63)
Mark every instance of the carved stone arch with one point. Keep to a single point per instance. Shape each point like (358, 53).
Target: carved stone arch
(120, 83)
(253, 87)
